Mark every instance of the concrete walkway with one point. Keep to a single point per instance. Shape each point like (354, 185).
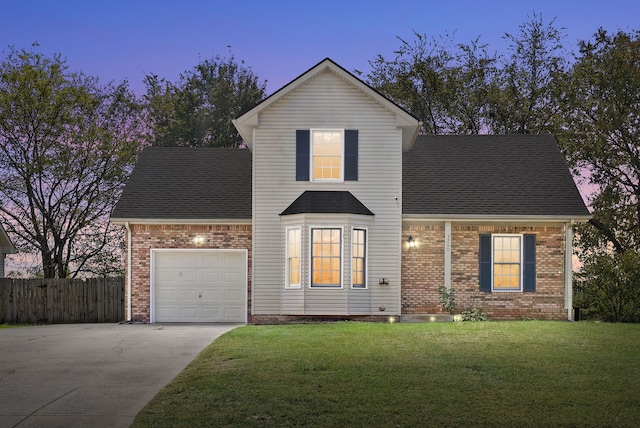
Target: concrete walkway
(91, 375)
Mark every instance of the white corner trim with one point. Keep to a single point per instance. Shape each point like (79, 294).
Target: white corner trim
(447, 255)
(568, 270)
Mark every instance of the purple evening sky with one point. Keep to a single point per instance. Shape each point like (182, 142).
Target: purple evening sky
(278, 39)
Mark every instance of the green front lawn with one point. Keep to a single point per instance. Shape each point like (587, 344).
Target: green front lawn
(524, 373)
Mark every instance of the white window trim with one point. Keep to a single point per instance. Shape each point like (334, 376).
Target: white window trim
(366, 258)
(520, 284)
(311, 172)
(287, 267)
(310, 259)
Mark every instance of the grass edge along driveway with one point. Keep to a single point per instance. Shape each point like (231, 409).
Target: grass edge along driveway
(351, 374)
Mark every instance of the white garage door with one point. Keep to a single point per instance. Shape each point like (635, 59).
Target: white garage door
(200, 286)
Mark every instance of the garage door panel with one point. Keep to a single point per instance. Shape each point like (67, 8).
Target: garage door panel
(166, 312)
(211, 314)
(233, 277)
(188, 295)
(165, 276)
(189, 312)
(167, 294)
(188, 276)
(231, 314)
(209, 276)
(189, 260)
(212, 260)
(231, 295)
(200, 286)
(211, 295)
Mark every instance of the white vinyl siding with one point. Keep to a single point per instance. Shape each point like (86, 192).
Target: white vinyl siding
(326, 101)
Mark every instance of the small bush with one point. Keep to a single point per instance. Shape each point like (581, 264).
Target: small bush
(447, 299)
(473, 314)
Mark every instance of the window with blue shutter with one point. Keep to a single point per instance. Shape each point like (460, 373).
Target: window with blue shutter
(327, 155)
(500, 266)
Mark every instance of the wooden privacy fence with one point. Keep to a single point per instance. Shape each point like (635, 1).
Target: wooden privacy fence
(61, 301)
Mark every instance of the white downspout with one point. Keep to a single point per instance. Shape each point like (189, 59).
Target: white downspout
(129, 292)
(568, 269)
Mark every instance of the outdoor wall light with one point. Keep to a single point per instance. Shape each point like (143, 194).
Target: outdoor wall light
(198, 240)
(411, 242)
(383, 281)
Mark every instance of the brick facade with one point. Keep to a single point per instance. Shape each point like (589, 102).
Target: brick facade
(423, 272)
(145, 237)
(422, 268)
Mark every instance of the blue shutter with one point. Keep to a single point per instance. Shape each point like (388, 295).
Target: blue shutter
(351, 154)
(302, 154)
(484, 276)
(529, 268)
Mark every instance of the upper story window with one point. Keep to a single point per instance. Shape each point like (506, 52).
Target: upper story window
(327, 154)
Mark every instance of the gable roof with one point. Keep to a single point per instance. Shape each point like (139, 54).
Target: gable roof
(404, 120)
(6, 245)
(326, 202)
(182, 184)
(489, 176)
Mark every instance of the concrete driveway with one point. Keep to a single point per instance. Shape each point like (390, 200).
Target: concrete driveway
(91, 375)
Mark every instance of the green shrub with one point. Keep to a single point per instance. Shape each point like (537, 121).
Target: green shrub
(447, 299)
(473, 314)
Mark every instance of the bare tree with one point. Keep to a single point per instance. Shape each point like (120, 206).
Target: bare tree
(67, 145)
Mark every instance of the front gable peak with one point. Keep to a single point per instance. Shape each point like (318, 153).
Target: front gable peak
(409, 125)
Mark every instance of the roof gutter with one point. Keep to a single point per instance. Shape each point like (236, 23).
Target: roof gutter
(497, 218)
(125, 221)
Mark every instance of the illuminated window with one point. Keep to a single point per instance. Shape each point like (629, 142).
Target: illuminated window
(358, 258)
(326, 257)
(507, 262)
(294, 244)
(326, 155)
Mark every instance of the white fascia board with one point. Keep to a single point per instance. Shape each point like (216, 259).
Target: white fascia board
(497, 218)
(245, 126)
(6, 243)
(123, 221)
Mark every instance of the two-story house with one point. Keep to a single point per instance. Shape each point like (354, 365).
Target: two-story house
(339, 210)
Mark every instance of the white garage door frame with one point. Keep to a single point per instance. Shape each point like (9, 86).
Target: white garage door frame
(154, 251)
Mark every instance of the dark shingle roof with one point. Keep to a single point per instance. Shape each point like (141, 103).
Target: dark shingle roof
(327, 202)
(188, 183)
(502, 175)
